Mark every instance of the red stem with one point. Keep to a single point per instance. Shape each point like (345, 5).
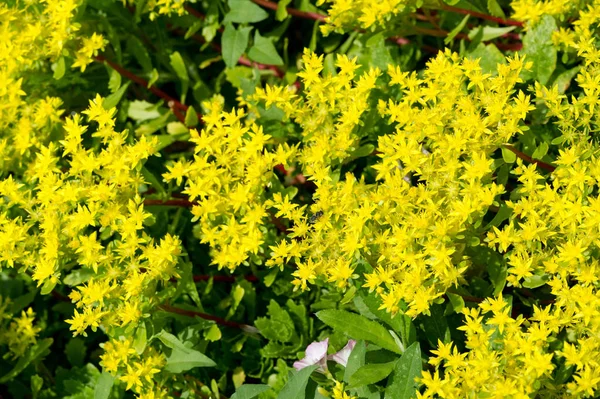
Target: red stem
(476, 14)
(525, 157)
(181, 202)
(205, 316)
(171, 102)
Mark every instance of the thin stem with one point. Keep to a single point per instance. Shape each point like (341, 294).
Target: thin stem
(171, 102)
(525, 157)
(476, 14)
(205, 316)
(181, 202)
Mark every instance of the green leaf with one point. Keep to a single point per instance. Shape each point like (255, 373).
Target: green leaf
(182, 358)
(279, 326)
(104, 386)
(281, 12)
(244, 11)
(495, 9)
(371, 373)
(114, 80)
(401, 384)
(456, 30)
(191, 117)
(296, 385)
(264, 51)
(234, 43)
(563, 81)
(75, 351)
(435, 326)
(153, 180)
(399, 322)
(508, 155)
(135, 47)
(457, 302)
(178, 66)
(140, 339)
(535, 281)
(489, 57)
(59, 68)
(538, 48)
(356, 360)
(490, 32)
(35, 352)
(213, 334)
(359, 327)
(113, 100)
(153, 77)
(250, 391)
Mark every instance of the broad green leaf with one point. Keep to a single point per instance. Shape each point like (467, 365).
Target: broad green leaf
(456, 30)
(183, 360)
(234, 43)
(263, 50)
(371, 373)
(142, 111)
(489, 57)
(296, 385)
(399, 322)
(435, 325)
(538, 48)
(250, 391)
(535, 281)
(104, 386)
(359, 327)
(113, 100)
(244, 11)
(59, 68)
(401, 384)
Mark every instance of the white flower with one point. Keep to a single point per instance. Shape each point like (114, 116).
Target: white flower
(316, 353)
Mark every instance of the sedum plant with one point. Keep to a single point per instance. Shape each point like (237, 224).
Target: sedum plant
(295, 199)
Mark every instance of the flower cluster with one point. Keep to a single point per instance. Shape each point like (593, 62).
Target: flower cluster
(227, 180)
(137, 366)
(348, 14)
(19, 333)
(407, 231)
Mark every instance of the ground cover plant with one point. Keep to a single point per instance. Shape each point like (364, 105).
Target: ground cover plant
(338, 199)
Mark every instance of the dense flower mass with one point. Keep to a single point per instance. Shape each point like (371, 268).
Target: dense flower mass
(193, 192)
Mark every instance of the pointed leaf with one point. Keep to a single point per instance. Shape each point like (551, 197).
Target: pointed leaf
(402, 383)
(359, 327)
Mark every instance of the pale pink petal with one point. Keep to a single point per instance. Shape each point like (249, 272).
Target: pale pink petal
(316, 353)
(342, 356)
